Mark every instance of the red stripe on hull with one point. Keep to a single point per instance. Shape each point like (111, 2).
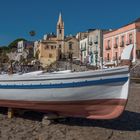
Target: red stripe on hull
(93, 109)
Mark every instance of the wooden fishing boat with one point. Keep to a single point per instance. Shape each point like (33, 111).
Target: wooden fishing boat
(100, 94)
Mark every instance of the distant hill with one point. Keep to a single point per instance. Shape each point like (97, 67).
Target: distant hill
(13, 44)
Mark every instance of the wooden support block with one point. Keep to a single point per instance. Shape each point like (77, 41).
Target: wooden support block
(10, 113)
(51, 117)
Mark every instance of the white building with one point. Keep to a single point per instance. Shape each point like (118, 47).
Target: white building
(84, 50)
(25, 47)
(36, 47)
(95, 40)
(92, 47)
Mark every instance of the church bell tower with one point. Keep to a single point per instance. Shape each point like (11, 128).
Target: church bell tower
(60, 28)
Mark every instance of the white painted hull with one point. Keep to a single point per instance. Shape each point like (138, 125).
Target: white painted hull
(49, 92)
(108, 91)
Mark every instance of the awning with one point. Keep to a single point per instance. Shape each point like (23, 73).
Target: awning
(109, 64)
(126, 54)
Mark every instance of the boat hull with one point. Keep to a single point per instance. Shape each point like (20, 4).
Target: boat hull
(91, 109)
(93, 95)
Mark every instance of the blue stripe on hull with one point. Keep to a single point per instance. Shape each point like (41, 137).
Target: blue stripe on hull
(65, 85)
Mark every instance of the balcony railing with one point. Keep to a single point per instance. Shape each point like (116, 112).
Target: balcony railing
(107, 59)
(128, 42)
(95, 41)
(115, 58)
(115, 46)
(83, 49)
(95, 52)
(108, 48)
(90, 53)
(90, 43)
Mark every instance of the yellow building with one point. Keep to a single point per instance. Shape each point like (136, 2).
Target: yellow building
(50, 47)
(48, 52)
(71, 48)
(55, 47)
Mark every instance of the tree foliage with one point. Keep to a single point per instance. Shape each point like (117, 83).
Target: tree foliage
(4, 49)
(13, 44)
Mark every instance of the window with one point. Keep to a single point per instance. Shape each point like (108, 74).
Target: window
(116, 55)
(81, 46)
(50, 55)
(116, 40)
(108, 43)
(122, 41)
(130, 38)
(90, 39)
(46, 47)
(122, 38)
(70, 46)
(59, 46)
(138, 54)
(96, 39)
(84, 54)
(108, 57)
(85, 45)
(60, 31)
(51, 47)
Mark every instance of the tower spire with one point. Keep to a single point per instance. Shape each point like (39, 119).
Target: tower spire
(60, 28)
(60, 20)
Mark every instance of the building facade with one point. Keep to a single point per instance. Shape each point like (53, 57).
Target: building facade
(60, 36)
(84, 50)
(25, 47)
(92, 47)
(48, 52)
(115, 41)
(71, 48)
(51, 47)
(56, 47)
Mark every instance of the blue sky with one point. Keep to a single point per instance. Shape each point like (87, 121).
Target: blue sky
(18, 17)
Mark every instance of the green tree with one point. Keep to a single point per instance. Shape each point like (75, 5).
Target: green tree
(4, 49)
(13, 44)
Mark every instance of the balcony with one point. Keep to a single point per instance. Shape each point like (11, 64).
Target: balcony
(83, 49)
(108, 48)
(95, 41)
(115, 58)
(107, 59)
(129, 42)
(90, 52)
(115, 45)
(90, 43)
(95, 52)
(122, 44)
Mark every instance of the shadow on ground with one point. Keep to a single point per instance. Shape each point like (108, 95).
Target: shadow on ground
(28, 114)
(128, 121)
